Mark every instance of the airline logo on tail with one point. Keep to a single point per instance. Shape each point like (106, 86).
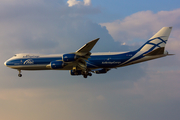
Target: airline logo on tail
(157, 41)
(154, 46)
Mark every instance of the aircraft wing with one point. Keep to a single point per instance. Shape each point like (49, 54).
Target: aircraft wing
(83, 54)
(84, 50)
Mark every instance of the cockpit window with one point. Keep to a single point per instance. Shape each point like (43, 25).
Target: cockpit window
(14, 55)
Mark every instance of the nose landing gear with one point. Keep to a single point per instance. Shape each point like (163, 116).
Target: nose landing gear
(19, 75)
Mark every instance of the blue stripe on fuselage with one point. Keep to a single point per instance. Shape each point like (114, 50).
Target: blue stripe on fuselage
(108, 61)
(95, 61)
(34, 61)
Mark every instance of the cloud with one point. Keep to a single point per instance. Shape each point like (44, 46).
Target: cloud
(87, 2)
(136, 29)
(59, 104)
(75, 2)
(45, 27)
(149, 88)
(142, 25)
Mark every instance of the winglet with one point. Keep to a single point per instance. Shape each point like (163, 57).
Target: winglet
(87, 47)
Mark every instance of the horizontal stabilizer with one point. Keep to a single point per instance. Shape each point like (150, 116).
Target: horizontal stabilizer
(170, 54)
(158, 51)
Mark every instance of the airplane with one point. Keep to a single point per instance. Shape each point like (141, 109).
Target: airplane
(83, 62)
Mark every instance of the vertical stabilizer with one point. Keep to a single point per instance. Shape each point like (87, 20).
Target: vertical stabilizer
(164, 32)
(157, 42)
(153, 48)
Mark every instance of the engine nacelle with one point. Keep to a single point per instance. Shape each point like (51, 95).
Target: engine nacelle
(102, 71)
(69, 57)
(77, 72)
(57, 64)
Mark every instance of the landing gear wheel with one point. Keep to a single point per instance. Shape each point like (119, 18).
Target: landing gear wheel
(86, 73)
(85, 76)
(90, 74)
(20, 75)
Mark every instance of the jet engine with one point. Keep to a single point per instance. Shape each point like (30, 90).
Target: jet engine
(69, 57)
(57, 64)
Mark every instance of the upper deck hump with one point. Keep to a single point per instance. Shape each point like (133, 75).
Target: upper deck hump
(31, 55)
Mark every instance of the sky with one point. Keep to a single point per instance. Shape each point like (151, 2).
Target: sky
(144, 91)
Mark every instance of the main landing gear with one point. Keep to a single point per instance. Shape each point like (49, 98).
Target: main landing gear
(86, 73)
(20, 75)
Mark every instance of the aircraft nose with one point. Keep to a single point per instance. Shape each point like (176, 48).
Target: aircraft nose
(5, 63)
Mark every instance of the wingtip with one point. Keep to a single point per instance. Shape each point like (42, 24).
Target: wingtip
(88, 46)
(97, 39)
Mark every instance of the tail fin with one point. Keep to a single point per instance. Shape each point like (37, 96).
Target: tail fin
(156, 44)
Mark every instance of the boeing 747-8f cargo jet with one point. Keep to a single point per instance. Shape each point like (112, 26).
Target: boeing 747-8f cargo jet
(83, 62)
